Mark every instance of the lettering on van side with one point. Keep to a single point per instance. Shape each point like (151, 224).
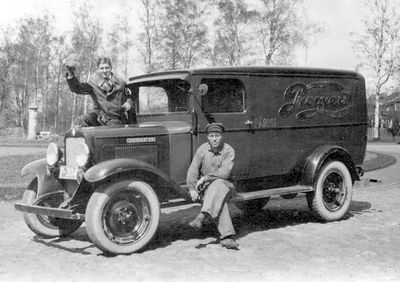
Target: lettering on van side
(301, 101)
(264, 122)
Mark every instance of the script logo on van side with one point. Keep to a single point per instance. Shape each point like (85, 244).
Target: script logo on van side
(317, 98)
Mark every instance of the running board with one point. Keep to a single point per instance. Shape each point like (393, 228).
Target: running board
(245, 196)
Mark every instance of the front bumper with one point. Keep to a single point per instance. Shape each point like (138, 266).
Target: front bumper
(46, 211)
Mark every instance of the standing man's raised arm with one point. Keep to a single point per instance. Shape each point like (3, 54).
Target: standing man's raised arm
(79, 88)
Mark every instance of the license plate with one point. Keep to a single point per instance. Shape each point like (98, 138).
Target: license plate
(68, 172)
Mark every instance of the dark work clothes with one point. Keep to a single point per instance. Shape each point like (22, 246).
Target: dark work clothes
(110, 94)
(216, 167)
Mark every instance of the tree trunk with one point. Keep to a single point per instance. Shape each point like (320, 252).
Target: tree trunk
(73, 110)
(377, 118)
(24, 94)
(58, 93)
(86, 96)
(44, 101)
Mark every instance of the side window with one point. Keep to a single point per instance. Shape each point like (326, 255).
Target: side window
(224, 95)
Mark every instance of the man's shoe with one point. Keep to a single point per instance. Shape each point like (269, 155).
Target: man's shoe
(197, 223)
(229, 243)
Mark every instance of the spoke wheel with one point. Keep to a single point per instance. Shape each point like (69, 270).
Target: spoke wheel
(123, 217)
(333, 191)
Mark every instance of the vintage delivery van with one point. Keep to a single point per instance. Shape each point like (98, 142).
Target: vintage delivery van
(294, 130)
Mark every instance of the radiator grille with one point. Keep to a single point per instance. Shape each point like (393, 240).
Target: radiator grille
(146, 153)
(70, 145)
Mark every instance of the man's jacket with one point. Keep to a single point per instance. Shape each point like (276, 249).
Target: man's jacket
(109, 93)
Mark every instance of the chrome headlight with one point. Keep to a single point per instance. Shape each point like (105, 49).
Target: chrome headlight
(53, 154)
(82, 154)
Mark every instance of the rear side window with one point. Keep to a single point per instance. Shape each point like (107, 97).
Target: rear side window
(224, 95)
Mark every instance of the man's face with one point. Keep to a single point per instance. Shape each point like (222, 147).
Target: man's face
(215, 139)
(104, 70)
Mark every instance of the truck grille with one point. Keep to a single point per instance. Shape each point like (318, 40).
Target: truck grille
(146, 153)
(70, 145)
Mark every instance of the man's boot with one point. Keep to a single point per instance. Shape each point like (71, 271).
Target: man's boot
(229, 243)
(197, 223)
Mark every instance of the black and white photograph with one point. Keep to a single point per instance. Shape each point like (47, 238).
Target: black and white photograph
(200, 140)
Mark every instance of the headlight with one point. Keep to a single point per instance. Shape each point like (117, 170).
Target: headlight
(82, 154)
(53, 154)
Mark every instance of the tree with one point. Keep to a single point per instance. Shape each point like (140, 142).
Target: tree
(230, 36)
(7, 59)
(279, 29)
(120, 39)
(149, 46)
(31, 49)
(60, 52)
(86, 40)
(378, 48)
(45, 56)
(183, 36)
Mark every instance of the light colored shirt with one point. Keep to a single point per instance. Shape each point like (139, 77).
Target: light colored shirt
(210, 164)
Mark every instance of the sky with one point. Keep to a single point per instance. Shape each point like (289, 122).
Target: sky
(330, 49)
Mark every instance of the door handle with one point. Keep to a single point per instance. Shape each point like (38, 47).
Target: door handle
(249, 123)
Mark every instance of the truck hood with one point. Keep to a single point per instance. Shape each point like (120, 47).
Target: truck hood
(141, 129)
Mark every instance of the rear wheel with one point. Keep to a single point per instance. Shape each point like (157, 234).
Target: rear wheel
(252, 206)
(333, 191)
(47, 226)
(123, 217)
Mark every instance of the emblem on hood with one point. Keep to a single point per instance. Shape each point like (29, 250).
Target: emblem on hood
(141, 140)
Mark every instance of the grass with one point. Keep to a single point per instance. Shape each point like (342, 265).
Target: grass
(381, 161)
(10, 167)
(22, 142)
(12, 185)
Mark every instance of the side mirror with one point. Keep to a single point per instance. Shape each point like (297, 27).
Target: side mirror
(203, 89)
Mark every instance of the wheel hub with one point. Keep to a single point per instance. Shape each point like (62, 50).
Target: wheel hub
(126, 218)
(333, 192)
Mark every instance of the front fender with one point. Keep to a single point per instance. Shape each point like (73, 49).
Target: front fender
(46, 182)
(108, 168)
(317, 158)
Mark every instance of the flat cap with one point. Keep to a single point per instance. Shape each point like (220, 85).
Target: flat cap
(215, 127)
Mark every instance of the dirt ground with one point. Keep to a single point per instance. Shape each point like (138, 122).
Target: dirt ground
(282, 243)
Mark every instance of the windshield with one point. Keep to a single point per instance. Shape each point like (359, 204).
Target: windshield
(161, 96)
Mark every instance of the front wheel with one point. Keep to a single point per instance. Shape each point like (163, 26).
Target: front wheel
(47, 226)
(333, 191)
(123, 217)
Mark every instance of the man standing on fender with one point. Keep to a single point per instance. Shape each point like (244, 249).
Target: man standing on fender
(111, 100)
(208, 175)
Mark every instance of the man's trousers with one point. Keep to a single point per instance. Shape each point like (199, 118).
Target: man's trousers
(214, 203)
